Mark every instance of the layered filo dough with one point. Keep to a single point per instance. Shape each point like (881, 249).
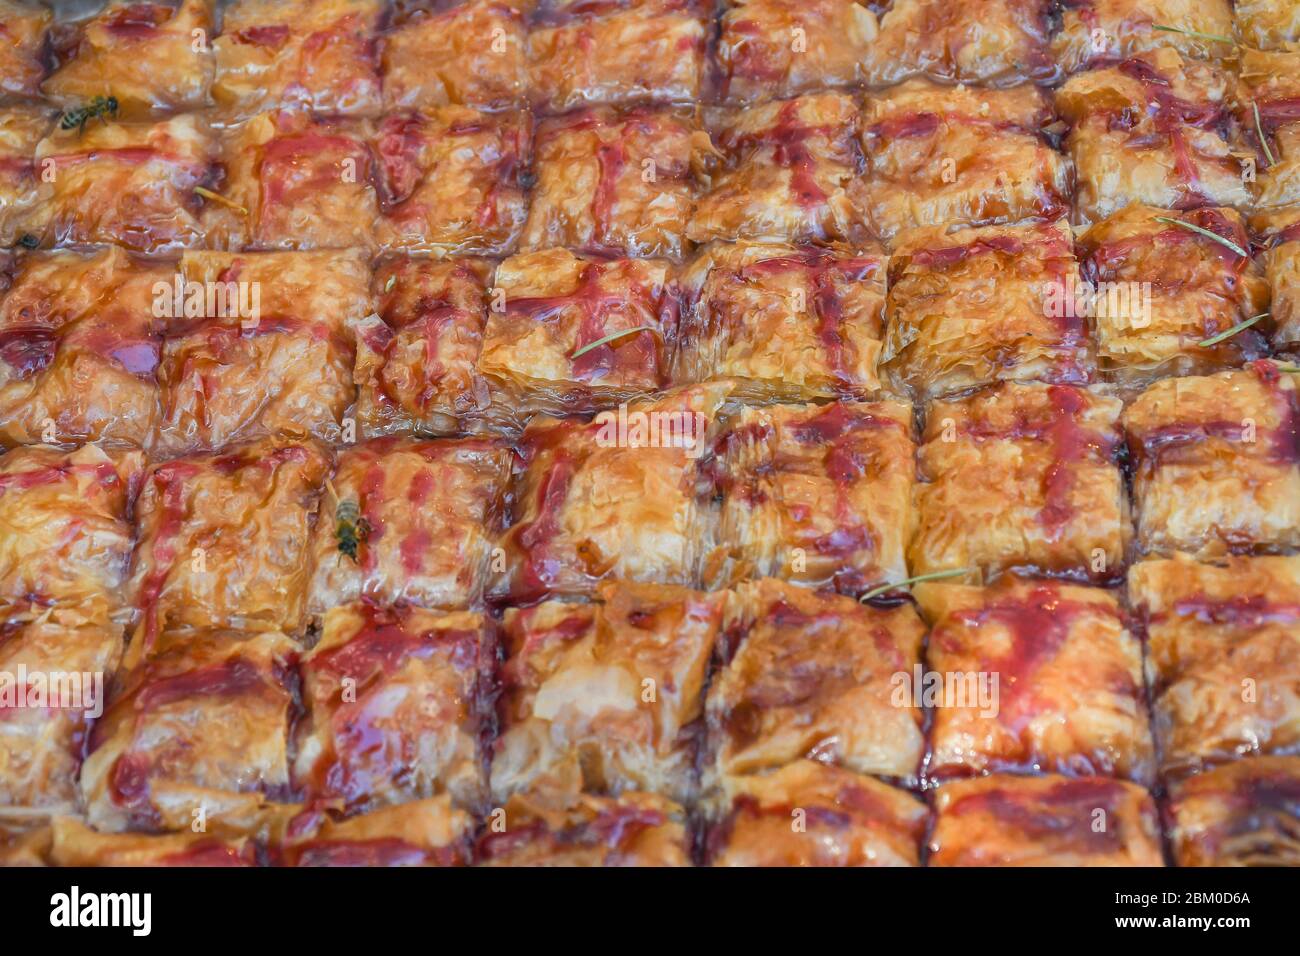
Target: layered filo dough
(1266, 107)
(1004, 820)
(1282, 270)
(1224, 655)
(812, 675)
(428, 832)
(1159, 290)
(409, 521)
(22, 128)
(394, 707)
(80, 344)
(970, 307)
(784, 322)
(620, 52)
(22, 66)
(960, 156)
(1267, 24)
(73, 843)
(811, 814)
(623, 495)
(1241, 814)
(263, 345)
(1095, 32)
(816, 494)
(785, 170)
(222, 538)
(556, 827)
(1050, 497)
(1050, 681)
(148, 56)
(1217, 463)
(615, 182)
(605, 697)
(1148, 130)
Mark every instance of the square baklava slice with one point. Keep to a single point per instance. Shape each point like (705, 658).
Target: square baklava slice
(813, 675)
(970, 307)
(1268, 24)
(21, 129)
(1050, 495)
(624, 495)
(995, 42)
(1266, 110)
(1148, 130)
(1157, 290)
(770, 49)
(1224, 654)
(606, 697)
(1094, 32)
(65, 658)
(80, 342)
(73, 843)
(471, 53)
(223, 538)
(430, 832)
(130, 184)
(394, 708)
(147, 56)
(65, 514)
(1037, 676)
(785, 322)
(1004, 820)
(811, 814)
(785, 170)
(613, 182)
(273, 352)
(1217, 463)
(318, 55)
(616, 52)
(959, 156)
(553, 827)
(573, 334)
(409, 521)
(22, 57)
(817, 494)
(1245, 813)
(196, 731)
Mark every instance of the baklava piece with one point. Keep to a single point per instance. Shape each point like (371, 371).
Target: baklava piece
(574, 335)
(75, 844)
(769, 48)
(809, 814)
(939, 155)
(1004, 820)
(614, 183)
(196, 729)
(1224, 653)
(317, 55)
(616, 52)
(428, 832)
(998, 42)
(147, 56)
(223, 538)
(1147, 130)
(1268, 24)
(786, 323)
(622, 496)
(560, 828)
(21, 130)
(80, 341)
(787, 171)
(394, 708)
(1022, 477)
(409, 521)
(1037, 676)
(1267, 112)
(65, 512)
(466, 54)
(976, 306)
(606, 697)
(1157, 290)
(67, 658)
(270, 351)
(1217, 463)
(417, 353)
(127, 184)
(451, 180)
(1282, 271)
(817, 494)
(1101, 31)
(813, 675)
(1246, 813)
(22, 56)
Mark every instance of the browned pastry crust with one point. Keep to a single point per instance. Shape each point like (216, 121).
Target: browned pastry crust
(1094, 32)
(1267, 24)
(24, 27)
(21, 129)
(430, 832)
(1245, 813)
